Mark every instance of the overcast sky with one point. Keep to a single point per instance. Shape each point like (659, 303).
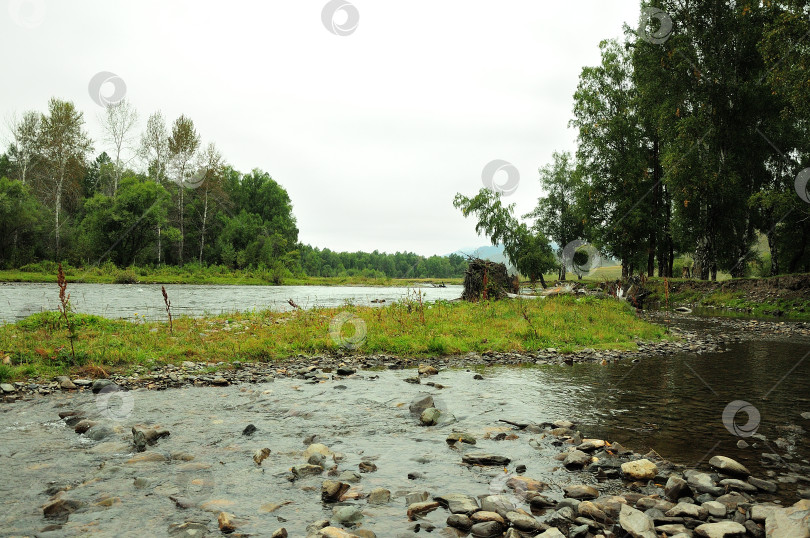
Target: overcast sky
(372, 132)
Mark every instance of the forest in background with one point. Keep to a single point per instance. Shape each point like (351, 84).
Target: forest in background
(158, 197)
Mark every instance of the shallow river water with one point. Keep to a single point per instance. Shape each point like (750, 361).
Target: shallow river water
(672, 404)
(19, 300)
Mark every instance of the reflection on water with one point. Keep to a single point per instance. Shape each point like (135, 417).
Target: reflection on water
(671, 404)
(18, 300)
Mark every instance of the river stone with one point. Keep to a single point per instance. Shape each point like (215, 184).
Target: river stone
(704, 483)
(426, 370)
(430, 416)
(577, 458)
(458, 503)
(553, 532)
(99, 432)
(305, 470)
(379, 496)
(591, 511)
(65, 383)
(8, 389)
(459, 521)
(316, 448)
(687, 510)
(673, 529)
(420, 403)
(580, 491)
(591, 444)
(61, 508)
(642, 469)
(83, 425)
(226, 523)
(636, 523)
(260, 455)
(334, 532)
(331, 490)
(487, 529)
(523, 484)
(675, 488)
(460, 437)
(737, 484)
(793, 521)
(485, 459)
(486, 515)
(760, 512)
(500, 504)
(522, 522)
(732, 500)
(146, 436)
(715, 508)
(417, 509)
(723, 529)
(764, 485)
(729, 466)
(347, 515)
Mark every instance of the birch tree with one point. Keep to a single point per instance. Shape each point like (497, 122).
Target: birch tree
(64, 146)
(23, 148)
(183, 145)
(118, 122)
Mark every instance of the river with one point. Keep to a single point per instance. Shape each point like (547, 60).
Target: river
(19, 300)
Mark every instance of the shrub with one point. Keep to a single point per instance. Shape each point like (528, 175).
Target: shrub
(125, 276)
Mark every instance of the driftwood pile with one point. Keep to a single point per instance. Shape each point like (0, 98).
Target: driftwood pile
(486, 280)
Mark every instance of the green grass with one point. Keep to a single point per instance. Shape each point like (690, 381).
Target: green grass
(38, 346)
(195, 274)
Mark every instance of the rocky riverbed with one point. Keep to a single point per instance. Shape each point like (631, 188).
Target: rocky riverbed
(385, 446)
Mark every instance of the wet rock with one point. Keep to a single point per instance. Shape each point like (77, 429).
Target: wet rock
(304, 470)
(723, 529)
(345, 371)
(764, 485)
(317, 526)
(347, 515)
(522, 522)
(793, 521)
(539, 502)
(332, 490)
(99, 432)
(458, 503)
(430, 416)
(675, 488)
(316, 448)
(100, 384)
(460, 437)
(580, 491)
(487, 529)
(591, 511)
(61, 508)
(687, 510)
(260, 455)
(553, 532)
(8, 389)
(421, 508)
(83, 425)
(349, 476)
(738, 485)
(703, 483)
(189, 528)
(636, 523)
(459, 521)
(367, 467)
(500, 504)
(577, 458)
(729, 466)
(250, 429)
(427, 370)
(142, 437)
(334, 532)
(226, 523)
(279, 533)
(485, 459)
(715, 508)
(642, 469)
(65, 383)
(588, 445)
(420, 403)
(379, 496)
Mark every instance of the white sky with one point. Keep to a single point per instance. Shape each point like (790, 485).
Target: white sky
(371, 133)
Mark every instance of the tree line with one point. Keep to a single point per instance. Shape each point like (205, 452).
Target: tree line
(157, 197)
(693, 132)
